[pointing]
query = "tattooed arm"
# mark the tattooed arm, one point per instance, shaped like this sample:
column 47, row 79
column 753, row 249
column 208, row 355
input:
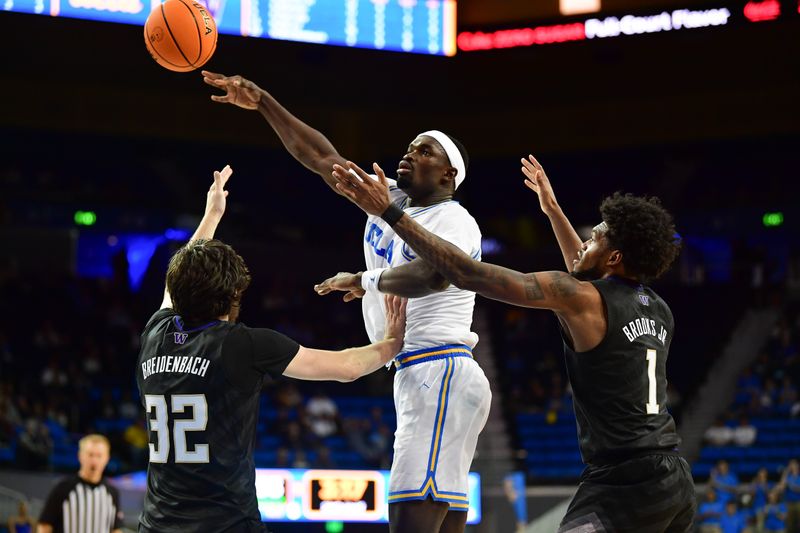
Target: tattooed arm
column 557, row 291
column 544, row 290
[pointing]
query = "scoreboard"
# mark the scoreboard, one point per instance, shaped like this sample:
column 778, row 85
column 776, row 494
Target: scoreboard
column 295, row 495
column 299, row 495
column 417, row 26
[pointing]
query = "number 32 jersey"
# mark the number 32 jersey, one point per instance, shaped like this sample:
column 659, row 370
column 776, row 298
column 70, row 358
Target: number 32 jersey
column 200, row 389
column 620, row 386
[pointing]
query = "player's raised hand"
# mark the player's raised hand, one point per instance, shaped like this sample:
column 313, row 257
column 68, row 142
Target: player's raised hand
column 395, row 319
column 217, row 195
column 359, row 187
column 537, row 181
column 239, row 91
column 343, row 281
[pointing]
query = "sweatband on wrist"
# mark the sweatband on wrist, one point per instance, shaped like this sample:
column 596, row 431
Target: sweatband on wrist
column 392, row 214
column 371, row 278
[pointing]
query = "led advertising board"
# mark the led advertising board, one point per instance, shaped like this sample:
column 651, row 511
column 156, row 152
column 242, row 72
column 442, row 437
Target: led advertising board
column 417, row 26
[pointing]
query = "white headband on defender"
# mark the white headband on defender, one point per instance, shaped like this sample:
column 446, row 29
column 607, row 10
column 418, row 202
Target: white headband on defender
column 452, row 152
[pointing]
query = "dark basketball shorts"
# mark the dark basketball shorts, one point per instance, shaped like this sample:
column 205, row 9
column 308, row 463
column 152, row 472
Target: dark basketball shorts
column 647, row 494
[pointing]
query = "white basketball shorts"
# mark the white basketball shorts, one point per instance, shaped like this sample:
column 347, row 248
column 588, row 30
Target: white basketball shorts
column 442, row 399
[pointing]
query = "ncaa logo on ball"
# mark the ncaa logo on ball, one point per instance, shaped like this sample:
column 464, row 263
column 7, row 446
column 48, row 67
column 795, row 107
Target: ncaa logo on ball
column 157, row 34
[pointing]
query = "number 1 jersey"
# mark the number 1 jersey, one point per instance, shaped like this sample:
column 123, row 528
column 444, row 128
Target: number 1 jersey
column 200, row 388
column 620, row 386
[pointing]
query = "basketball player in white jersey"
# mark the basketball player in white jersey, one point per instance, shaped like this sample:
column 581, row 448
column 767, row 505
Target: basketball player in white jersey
column 442, row 396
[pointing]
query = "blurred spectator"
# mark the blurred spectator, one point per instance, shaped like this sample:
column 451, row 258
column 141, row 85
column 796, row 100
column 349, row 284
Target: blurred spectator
column 732, row 520
column 324, row 459
column 91, row 359
column 769, row 395
column 371, row 438
column 296, row 438
column 107, row 408
column 322, row 415
column 787, row 396
column 35, row 445
column 724, row 482
column 749, row 382
column 537, row 395
column 300, row 460
column 745, row 433
column 46, row 337
column 9, row 420
column 718, row 434
column 355, row 430
column 22, row 522
column 709, row 513
column 380, row 441
column 55, row 412
column 65, row 503
column 53, row 375
column 281, row 425
column 759, row 489
column 288, row 396
column 775, row 513
column 135, row 436
column 282, row 458
column 790, row 482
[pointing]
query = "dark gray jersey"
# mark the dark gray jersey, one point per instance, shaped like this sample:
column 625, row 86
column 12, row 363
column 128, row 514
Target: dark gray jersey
column 620, row 387
column 200, row 390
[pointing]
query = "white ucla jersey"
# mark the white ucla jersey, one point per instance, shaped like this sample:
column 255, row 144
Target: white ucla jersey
column 442, row 317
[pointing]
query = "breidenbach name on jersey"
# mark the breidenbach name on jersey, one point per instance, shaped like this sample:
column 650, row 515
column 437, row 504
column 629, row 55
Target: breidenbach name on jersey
column 175, row 363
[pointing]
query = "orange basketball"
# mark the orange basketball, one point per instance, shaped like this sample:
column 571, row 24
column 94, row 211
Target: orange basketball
column 181, row 35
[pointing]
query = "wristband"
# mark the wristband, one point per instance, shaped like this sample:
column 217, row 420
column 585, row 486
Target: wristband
column 392, row 214
column 371, row 278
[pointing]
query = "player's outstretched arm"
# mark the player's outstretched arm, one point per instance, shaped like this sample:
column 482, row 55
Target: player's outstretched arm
column 310, row 147
column 536, row 180
column 557, row 291
column 411, row 280
column 352, row 363
column 216, row 200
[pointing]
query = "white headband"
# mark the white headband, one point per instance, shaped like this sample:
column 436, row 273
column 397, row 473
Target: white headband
column 452, row 152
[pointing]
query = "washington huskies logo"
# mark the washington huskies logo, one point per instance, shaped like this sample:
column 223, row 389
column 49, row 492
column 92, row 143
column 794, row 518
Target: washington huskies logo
column 180, row 337
column 645, row 299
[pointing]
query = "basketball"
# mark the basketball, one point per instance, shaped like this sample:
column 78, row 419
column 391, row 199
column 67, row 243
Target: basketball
column 181, row 35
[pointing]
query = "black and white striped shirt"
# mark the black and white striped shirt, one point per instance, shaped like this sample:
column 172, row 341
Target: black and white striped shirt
column 77, row 506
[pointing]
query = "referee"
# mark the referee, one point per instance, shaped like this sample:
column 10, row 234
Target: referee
column 84, row 503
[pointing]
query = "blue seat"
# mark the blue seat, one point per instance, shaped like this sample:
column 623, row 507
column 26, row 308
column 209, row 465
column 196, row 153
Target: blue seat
column 702, row 469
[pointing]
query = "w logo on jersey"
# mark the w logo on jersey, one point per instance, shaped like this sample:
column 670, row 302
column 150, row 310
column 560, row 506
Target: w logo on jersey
column 645, row 299
column 180, row 337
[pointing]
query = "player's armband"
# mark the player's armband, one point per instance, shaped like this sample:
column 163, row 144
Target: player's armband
column 371, row 278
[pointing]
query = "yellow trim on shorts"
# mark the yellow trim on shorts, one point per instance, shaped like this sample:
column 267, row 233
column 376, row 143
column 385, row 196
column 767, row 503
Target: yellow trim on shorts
column 430, row 486
column 440, row 416
column 403, row 361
